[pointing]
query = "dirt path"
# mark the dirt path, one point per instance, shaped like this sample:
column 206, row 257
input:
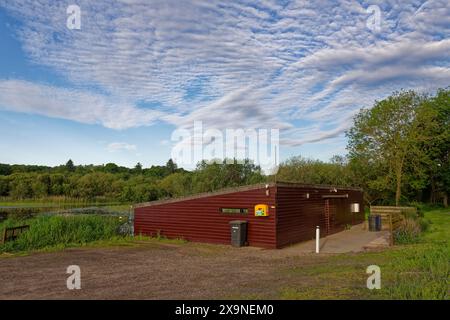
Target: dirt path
column 158, row 270
column 149, row 271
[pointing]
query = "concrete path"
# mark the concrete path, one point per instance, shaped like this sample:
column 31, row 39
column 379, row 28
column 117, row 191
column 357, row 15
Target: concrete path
column 355, row 239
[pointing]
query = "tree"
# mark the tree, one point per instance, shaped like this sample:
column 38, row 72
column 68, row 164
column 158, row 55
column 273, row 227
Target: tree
column 308, row 171
column 214, row 175
column 70, row 166
column 41, row 186
column 171, row 166
column 20, row 186
column 111, row 168
column 5, row 169
column 138, row 167
column 176, row 185
column 438, row 147
column 4, row 186
column 388, row 136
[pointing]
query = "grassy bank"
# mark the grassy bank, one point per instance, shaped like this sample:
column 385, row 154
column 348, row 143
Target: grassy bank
column 60, row 231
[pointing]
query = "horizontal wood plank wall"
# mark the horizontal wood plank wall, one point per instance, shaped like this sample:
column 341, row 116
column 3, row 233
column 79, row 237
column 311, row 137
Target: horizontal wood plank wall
column 200, row 219
column 298, row 216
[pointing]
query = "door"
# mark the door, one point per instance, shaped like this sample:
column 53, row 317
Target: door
column 335, row 215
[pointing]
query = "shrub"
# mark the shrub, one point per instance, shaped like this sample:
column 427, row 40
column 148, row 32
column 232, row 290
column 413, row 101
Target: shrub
column 410, row 214
column 48, row 231
column 424, row 224
column 408, row 232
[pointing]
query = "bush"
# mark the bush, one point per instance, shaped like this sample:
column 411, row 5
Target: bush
column 410, row 214
column 424, row 224
column 48, row 231
column 408, row 231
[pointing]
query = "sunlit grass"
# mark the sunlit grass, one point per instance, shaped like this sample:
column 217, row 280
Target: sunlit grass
column 417, row 271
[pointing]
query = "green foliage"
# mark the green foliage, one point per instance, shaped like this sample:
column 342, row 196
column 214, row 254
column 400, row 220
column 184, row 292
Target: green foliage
column 70, row 166
column 112, row 182
column 398, row 152
column 176, row 185
column 229, row 173
column 411, row 228
column 138, row 168
column 424, row 224
column 5, row 169
column 301, row 170
column 399, row 147
column 408, row 232
column 48, row 231
column 171, row 166
column 438, row 148
column 387, row 136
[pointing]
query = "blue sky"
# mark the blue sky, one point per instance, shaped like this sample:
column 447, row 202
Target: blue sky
column 115, row 90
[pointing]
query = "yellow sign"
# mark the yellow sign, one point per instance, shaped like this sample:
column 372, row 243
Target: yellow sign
column 261, row 210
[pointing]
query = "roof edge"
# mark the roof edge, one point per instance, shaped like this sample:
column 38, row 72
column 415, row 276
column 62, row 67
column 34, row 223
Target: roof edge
column 240, row 189
column 317, row 186
column 206, row 194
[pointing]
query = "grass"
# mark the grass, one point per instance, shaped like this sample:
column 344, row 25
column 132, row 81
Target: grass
column 418, row 271
column 63, row 231
column 118, row 207
column 55, row 233
column 439, row 230
column 116, row 241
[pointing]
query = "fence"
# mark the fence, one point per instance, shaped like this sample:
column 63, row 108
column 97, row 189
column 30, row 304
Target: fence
column 12, row 233
column 392, row 217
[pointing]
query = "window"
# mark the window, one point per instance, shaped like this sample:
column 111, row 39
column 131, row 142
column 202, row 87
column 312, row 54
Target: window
column 354, row 208
column 234, row 210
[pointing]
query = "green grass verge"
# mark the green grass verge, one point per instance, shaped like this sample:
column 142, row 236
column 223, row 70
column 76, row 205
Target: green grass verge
column 115, row 242
column 417, row 271
column 64, row 231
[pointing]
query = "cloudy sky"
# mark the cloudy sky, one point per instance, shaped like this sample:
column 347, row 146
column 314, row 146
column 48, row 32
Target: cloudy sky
column 136, row 70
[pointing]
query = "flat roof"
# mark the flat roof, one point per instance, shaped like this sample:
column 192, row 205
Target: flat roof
column 241, row 189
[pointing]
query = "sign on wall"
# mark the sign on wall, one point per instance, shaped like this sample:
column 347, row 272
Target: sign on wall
column 261, row 210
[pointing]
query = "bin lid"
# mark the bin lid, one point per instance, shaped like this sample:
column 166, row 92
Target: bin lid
column 238, row 222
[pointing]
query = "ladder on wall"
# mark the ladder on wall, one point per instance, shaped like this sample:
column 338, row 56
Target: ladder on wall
column 327, row 216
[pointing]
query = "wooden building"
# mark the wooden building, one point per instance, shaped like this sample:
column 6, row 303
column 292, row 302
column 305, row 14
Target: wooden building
column 277, row 214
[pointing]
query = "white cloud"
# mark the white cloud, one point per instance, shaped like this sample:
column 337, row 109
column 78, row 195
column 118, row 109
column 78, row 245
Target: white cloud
column 305, row 67
column 120, row 146
column 72, row 104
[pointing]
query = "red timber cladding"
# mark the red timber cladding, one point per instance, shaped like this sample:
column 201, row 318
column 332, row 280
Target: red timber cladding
column 298, row 216
column 199, row 219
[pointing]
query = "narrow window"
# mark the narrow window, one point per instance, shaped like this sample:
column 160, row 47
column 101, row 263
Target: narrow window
column 234, row 210
column 355, row 207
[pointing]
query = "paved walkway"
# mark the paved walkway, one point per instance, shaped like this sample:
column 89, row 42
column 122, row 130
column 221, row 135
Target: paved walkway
column 352, row 240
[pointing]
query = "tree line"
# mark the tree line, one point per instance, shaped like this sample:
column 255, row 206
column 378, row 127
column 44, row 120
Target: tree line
column 111, row 182
column 398, row 152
